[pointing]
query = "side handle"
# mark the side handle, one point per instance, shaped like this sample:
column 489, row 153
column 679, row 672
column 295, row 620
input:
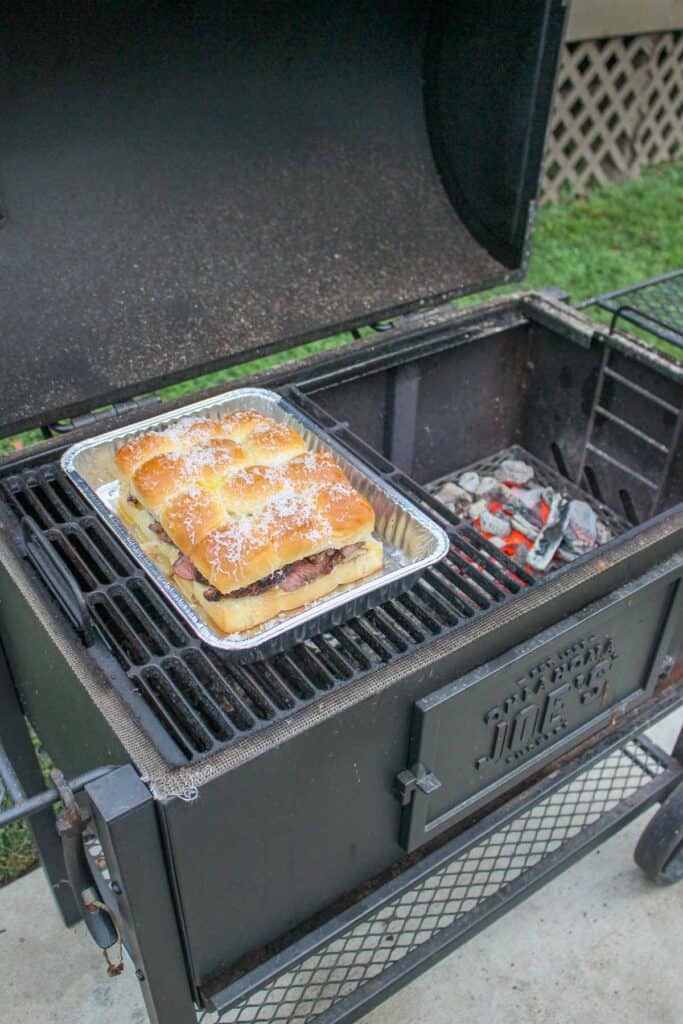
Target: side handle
column 71, row 826
column 58, row 579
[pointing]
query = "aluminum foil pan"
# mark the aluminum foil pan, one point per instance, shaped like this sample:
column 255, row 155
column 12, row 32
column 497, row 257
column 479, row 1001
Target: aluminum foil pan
column 411, row 540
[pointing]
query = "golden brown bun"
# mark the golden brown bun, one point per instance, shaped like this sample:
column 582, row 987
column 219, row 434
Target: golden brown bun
column 204, row 465
column 290, row 527
column 190, row 516
column 237, row 614
column 247, row 490
column 241, row 497
column 179, row 437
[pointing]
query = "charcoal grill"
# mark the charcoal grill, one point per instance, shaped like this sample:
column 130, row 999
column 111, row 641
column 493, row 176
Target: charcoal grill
column 294, row 838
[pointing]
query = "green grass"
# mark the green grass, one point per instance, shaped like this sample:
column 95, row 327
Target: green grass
column 615, row 237
column 17, row 855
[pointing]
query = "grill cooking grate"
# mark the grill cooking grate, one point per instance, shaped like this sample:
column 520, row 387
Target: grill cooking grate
column 203, row 703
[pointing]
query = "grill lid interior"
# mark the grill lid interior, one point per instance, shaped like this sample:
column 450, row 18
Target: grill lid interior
column 182, row 186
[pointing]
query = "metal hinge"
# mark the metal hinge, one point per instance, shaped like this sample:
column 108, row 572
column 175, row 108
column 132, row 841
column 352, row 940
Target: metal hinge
column 416, row 319
column 114, row 411
column 412, row 779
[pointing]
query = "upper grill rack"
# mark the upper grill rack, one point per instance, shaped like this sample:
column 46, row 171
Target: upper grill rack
column 189, row 700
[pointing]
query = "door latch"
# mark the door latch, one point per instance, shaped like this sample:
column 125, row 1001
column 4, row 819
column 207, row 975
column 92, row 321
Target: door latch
column 417, row 777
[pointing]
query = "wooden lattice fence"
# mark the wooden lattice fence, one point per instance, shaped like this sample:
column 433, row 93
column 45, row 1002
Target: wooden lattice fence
column 618, row 106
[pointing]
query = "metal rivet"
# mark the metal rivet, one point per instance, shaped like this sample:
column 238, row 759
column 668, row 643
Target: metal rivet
column 115, row 887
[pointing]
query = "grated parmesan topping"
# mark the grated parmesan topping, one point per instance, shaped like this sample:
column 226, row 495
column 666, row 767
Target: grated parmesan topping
column 298, row 503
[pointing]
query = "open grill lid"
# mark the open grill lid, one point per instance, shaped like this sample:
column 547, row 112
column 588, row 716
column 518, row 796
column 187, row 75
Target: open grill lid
column 184, row 186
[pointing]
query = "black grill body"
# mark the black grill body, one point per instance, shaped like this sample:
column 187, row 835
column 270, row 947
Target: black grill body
column 188, row 186
column 324, row 774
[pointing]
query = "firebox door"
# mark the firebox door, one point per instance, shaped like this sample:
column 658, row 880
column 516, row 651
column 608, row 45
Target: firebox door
column 503, row 721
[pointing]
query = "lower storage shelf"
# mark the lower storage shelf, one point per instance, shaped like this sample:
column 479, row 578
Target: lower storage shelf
column 352, row 962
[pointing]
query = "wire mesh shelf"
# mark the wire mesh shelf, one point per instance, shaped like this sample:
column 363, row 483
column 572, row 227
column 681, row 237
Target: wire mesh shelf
column 420, row 916
column 655, row 306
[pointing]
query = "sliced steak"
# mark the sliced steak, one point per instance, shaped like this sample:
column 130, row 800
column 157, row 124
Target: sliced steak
column 160, row 532
column 298, row 574
column 292, row 576
column 183, row 568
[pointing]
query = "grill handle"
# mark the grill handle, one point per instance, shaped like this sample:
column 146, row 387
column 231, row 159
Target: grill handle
column 58, row 579
column 71, row 825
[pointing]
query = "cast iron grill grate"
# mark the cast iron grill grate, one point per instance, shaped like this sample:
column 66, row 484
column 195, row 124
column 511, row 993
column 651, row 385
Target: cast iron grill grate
column 422, row 913
column 194, row 702
column 201, row 702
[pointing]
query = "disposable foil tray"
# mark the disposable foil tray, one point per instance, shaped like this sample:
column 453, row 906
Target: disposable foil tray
column 411, row 540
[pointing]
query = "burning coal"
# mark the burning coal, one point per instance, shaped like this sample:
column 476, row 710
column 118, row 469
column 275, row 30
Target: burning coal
column 535, row 525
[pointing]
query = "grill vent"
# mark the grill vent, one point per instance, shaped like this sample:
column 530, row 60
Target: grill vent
column 202, row 703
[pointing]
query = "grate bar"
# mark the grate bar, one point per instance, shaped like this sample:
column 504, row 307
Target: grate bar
column 454, row 574
column 397, row 637
column 223, row 689
column 146, row 680
column 263, row 705
column 480, row 568
column 334, row 657
column 606, row 414
column 370, row 638
column 430, row 595
column 222, row 716
column 352, row 647
column 439, row 582
column 410, row 628
column 198, row 699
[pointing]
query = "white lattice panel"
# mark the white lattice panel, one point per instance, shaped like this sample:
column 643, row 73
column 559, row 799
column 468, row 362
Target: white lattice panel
column 618, row 106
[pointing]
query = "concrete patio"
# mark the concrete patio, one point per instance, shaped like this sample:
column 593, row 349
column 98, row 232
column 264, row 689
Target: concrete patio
column 599, row 943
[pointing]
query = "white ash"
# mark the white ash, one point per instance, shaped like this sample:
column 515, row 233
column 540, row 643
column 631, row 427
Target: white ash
column 550, row 537
column 499, row 526
column 565, row 555
column 530, row 497
column 450, row 493
column 526, row 528
column 487, row 484
column 476, row 509
column 553, row 526
column 603, row 533
column 521, row 554
column 581, row 531
column 469, row 482
column 514, row 471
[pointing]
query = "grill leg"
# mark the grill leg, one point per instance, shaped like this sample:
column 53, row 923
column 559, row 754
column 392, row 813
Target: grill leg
column 17, row 743
column 127, row 826
column 678, row 748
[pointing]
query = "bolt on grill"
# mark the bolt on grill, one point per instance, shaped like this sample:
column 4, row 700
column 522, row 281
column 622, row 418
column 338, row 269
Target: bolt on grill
column 197, row 699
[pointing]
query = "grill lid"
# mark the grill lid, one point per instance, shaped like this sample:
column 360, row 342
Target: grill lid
column 185, row 186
